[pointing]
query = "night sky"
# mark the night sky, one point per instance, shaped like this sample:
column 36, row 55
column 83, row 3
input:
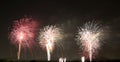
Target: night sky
column 69, row 15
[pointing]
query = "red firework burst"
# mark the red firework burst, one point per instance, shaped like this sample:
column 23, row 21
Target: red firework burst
column 23, row 31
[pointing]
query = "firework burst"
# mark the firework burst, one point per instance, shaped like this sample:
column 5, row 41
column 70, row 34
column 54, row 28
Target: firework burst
column 22, row 33
column 90, row 35
column 48, row 36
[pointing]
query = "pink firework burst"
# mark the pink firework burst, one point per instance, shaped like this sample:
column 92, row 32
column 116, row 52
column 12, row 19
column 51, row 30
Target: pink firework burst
column 23, row 32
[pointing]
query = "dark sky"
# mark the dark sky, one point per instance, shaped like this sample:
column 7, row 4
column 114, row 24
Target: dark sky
column 68, row 15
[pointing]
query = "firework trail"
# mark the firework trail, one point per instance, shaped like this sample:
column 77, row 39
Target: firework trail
column 62, row 59
column 83, row 59
column 48, row 36
column 90, row 35
column 22, row 33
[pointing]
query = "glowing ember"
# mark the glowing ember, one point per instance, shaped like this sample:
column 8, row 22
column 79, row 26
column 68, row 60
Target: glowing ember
column 21, row 36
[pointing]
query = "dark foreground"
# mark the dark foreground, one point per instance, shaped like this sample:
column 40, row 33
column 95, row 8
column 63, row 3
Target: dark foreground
column 58, row 61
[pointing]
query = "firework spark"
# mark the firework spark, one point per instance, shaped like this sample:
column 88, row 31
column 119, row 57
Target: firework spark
column 23, row 33
column 62, row 59
column 90, row 35
column 48, row 36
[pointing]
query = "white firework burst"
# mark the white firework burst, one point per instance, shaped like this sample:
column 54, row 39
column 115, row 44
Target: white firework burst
column 89, row 36
column 48, row 36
